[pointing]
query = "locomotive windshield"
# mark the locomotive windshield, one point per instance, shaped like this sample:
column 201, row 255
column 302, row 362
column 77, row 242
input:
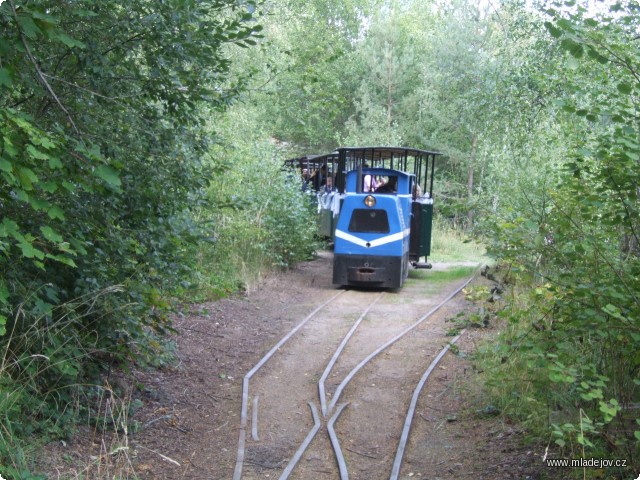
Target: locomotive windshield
column 366, row 220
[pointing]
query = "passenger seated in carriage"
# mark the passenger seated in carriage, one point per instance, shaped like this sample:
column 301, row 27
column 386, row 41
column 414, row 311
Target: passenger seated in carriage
column 391, row 186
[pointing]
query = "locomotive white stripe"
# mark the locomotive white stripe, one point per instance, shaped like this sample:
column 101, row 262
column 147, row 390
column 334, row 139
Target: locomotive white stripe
column 373, row 243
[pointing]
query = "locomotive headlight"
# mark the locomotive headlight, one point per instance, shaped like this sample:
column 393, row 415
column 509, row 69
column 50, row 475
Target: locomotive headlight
column 370, row 201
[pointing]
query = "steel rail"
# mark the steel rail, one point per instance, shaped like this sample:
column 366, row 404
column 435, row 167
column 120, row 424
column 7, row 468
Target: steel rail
column 309, row 438
column 344, row 475
column 358, row 367
column 254, row 419
column 322, row 395
column 395, row 471
column 237, row 474
column 338, row 352
column 335, row 443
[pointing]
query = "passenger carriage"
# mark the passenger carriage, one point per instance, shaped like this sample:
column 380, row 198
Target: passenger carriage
column 318, row 174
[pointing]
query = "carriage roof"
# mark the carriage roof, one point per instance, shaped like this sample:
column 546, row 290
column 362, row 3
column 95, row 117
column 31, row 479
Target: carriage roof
column 366, row 153
column 383, row 153
column 312, row 161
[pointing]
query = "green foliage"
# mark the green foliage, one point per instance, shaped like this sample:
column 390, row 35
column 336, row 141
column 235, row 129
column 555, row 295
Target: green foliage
column 561, row 209
column 371, row 125
column 262, row 220
column 388, row 75
column 103, row 141
column 273, row 227
column 304, row 77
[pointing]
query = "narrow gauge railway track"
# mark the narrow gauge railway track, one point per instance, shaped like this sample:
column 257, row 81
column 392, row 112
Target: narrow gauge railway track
column 332, row 397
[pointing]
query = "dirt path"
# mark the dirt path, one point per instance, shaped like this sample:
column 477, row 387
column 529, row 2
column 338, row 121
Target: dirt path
column 189, row 415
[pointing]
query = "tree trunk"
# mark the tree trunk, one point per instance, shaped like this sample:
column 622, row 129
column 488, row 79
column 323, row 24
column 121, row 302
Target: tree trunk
column 389, row 94
column 472, row 162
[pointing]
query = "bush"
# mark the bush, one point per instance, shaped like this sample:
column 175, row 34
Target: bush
column 262, row 221
column 103, row 108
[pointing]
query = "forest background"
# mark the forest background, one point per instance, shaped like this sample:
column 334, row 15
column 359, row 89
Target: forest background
column 141, row 150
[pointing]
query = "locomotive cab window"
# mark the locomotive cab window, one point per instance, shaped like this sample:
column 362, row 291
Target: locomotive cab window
column 388, row 185
column 367, row 220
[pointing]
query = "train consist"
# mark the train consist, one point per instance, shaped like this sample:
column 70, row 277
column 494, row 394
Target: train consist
column 376, row 204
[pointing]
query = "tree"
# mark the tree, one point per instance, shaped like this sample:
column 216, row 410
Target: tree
column 577, row 235
column 305, row 74
column 455, row 96
column 101, row 160
column 388, row 74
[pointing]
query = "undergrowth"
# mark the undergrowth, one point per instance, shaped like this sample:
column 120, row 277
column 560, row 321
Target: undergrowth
column 572, row 390
column 52, row 382
column 262, row 221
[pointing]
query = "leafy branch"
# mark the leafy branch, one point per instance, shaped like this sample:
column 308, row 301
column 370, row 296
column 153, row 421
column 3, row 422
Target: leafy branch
column 41, row 75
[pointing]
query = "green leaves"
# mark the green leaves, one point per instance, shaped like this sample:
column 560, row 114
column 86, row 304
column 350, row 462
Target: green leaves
column 559, row 373
column 105, row 114
column 36, row 154
column 67, row 40
column 574, row 48
column 566, row 213
column 28, row 250
column 6, row 79
column 51, row 235
column 109, row 175
column 27, row 177
column 609, row 409
column 55, row 212
column 625, row 88
column 27, row 25
column 553, row 30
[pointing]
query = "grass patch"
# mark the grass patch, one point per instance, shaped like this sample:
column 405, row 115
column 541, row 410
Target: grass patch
column 442, row 276
column 449, row 244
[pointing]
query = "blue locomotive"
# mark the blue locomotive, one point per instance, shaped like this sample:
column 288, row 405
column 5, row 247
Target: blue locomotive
column 378, row 211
